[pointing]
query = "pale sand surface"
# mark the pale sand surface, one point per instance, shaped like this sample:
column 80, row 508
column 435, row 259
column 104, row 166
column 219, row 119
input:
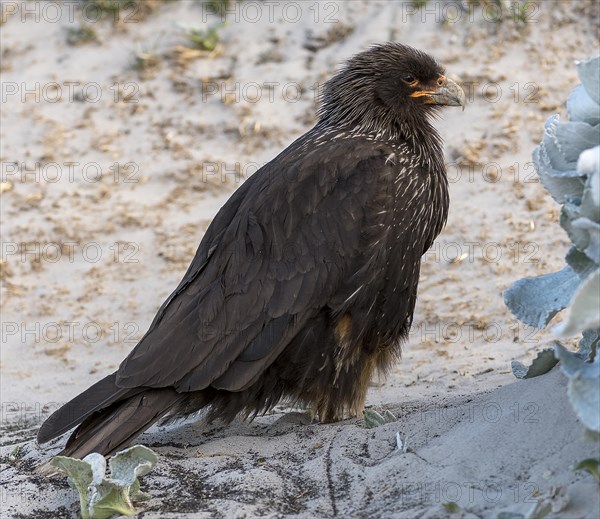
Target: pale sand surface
column 479, row 437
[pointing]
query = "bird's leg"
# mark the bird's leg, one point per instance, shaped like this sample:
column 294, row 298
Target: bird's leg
column 351, row 367
column 346, row 399
column 328, row 412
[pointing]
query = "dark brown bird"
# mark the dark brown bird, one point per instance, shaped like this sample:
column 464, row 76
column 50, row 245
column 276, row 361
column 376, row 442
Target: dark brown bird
column 305, row 282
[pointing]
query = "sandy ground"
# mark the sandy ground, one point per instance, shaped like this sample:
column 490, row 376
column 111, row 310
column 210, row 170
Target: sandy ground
column 117, row 152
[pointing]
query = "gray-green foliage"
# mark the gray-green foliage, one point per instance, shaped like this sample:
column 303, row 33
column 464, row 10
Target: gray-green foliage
column 205, row 39
column 543, row 362
column 103, row 496
column 451, row 507
column 374, row 419
column 568, row 164
column 584, row 386
column 590, row 465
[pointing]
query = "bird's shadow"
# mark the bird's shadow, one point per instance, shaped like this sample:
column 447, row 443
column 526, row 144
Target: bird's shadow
column 194, row 431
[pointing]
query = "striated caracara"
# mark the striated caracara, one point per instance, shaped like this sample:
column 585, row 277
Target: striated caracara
column 305, row 282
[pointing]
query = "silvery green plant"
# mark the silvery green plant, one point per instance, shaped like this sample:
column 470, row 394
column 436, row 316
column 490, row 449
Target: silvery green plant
column 100, row 495
column 374, row 419
column 568, row 164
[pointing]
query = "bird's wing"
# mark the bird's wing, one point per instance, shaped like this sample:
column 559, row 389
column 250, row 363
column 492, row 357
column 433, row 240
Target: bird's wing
column 273, row 257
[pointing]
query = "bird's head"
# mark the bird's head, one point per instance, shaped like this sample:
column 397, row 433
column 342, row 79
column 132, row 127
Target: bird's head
column 387, row 86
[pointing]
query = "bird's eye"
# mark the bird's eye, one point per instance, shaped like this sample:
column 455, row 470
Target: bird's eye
column 408, row 79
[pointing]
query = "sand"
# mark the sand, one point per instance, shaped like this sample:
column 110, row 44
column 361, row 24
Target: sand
column 117, row 153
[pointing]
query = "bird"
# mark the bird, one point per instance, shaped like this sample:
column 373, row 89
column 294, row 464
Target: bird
column 304, row 284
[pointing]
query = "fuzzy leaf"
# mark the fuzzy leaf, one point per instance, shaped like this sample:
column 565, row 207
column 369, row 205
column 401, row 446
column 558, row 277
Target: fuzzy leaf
column 570, row 212
column 584, row 311
column 543, row 362
column 78, row 471
column 580, row 263
column 581, row 107
column 79, row 476
column 584, row 393
column 129, row 464
column 102, row 497
column 113, row 495
column 563, row 143
column 588, row 345
column 584, row 386
column 388, row 416
column 451, row 507
column 556, row 157
column 592, row 232
column 134, row 489
column 591, row 466
column 583, row 232
column 111, row 499
column 573, row 138
column 135, row 494
column 372, row 418
column 589, row 72
column 97, row 462
column 535, row 301
column 569, row 361
column 562, row 185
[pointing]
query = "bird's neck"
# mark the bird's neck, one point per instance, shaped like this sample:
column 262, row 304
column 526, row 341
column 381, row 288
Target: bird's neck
column 425, row 142
column 420, row 135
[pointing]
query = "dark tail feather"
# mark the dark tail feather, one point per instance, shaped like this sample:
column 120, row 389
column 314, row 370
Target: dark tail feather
column 100, row 395
column 114, row 428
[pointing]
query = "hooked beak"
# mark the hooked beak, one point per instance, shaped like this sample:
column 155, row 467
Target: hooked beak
column 448, row 93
